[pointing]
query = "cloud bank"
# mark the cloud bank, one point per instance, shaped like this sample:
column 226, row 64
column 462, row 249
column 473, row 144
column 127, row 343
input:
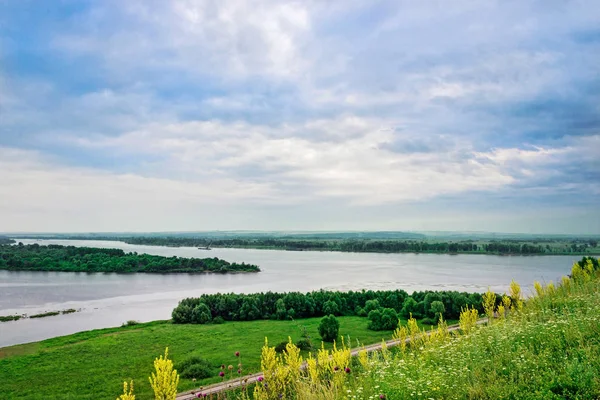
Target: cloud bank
column 197, row 115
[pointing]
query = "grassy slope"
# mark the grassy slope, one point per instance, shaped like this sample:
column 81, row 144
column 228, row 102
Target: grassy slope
column 551, row 351
column 93, row 365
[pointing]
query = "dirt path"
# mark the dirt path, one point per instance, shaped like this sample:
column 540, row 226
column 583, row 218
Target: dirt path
column 250, row 379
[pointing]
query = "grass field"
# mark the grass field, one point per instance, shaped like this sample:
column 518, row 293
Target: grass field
column 93, row 365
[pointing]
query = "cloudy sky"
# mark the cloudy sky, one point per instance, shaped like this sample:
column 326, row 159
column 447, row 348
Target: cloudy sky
column 310, row 115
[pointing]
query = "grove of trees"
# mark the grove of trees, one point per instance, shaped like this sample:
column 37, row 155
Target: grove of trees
column 34, row 257
column 380, row 306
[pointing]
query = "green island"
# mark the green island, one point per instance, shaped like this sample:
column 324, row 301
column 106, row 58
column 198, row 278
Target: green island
column 34, row 257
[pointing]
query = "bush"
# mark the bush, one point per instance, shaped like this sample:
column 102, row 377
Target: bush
column 383, row 320
column 218, row 320
column 182, row 314
column 371, row 305
column 131, row 323
column 429, row 321
column 201, row 314
column 280, row 347
column 194, row 367
column 329, row 328
column 408, row 307
column 360, row 312
column 304, row 344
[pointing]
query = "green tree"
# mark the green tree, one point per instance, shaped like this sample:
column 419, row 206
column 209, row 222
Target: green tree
column 437, row 309
column 409, row 306
column 331, row 307
column 329, row 328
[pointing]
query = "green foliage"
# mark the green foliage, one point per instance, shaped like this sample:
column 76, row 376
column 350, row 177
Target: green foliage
column 371, row 305
column 34, row 257
column 409, row 307
column 331, row 307
column 195, row 368
column 280, row 347
column 7, row 318
column 282, row 306
column 46, row 314
column 201, row 314
column 304, row 344
column 384, row 319
column 437, row 308
column 329, row 328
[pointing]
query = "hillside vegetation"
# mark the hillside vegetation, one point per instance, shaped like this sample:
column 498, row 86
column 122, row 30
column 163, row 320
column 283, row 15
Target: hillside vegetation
column 545, row 348
column 34, row 257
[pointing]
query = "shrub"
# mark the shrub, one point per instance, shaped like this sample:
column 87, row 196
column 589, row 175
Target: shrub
column 131, row 322
column 182, row 314
column 329, row 328
column 218, row 320
column 360, row 312
column 385, row 319
column 280, row 347
column 197, row 371
column 408, row 307
column 194, row 367
column 304, row 344
column 371, row 305
column 201, row 314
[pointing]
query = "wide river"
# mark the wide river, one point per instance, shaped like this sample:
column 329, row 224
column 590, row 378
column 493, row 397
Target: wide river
column 107, row 300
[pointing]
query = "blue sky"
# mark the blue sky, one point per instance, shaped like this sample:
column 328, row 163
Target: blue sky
column 304, row 115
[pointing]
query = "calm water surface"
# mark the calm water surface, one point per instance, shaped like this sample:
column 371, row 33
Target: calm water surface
column 107, row 300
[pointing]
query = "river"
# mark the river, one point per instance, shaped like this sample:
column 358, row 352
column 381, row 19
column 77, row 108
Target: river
column 107, row 299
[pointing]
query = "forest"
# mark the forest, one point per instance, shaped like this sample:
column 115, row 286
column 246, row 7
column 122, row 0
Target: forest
column 34, row 257
column 506, row 246
column 217, row 308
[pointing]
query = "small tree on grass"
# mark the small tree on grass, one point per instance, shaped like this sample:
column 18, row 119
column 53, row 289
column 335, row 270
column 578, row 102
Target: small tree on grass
column 329, row 328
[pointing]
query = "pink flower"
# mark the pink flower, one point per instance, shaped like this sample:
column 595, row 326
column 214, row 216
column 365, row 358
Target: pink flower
column 260, row 379
column 221, row 374
column 237, row 353
column 347, row 370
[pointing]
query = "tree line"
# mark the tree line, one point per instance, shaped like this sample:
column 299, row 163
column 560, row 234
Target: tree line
column 272, row 305
column 34, row 257
column 367, row 245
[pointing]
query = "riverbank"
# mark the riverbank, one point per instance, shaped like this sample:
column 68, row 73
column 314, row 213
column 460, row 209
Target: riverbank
column 92, row 365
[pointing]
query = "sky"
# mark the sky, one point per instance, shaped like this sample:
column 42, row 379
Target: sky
column 192, row 115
